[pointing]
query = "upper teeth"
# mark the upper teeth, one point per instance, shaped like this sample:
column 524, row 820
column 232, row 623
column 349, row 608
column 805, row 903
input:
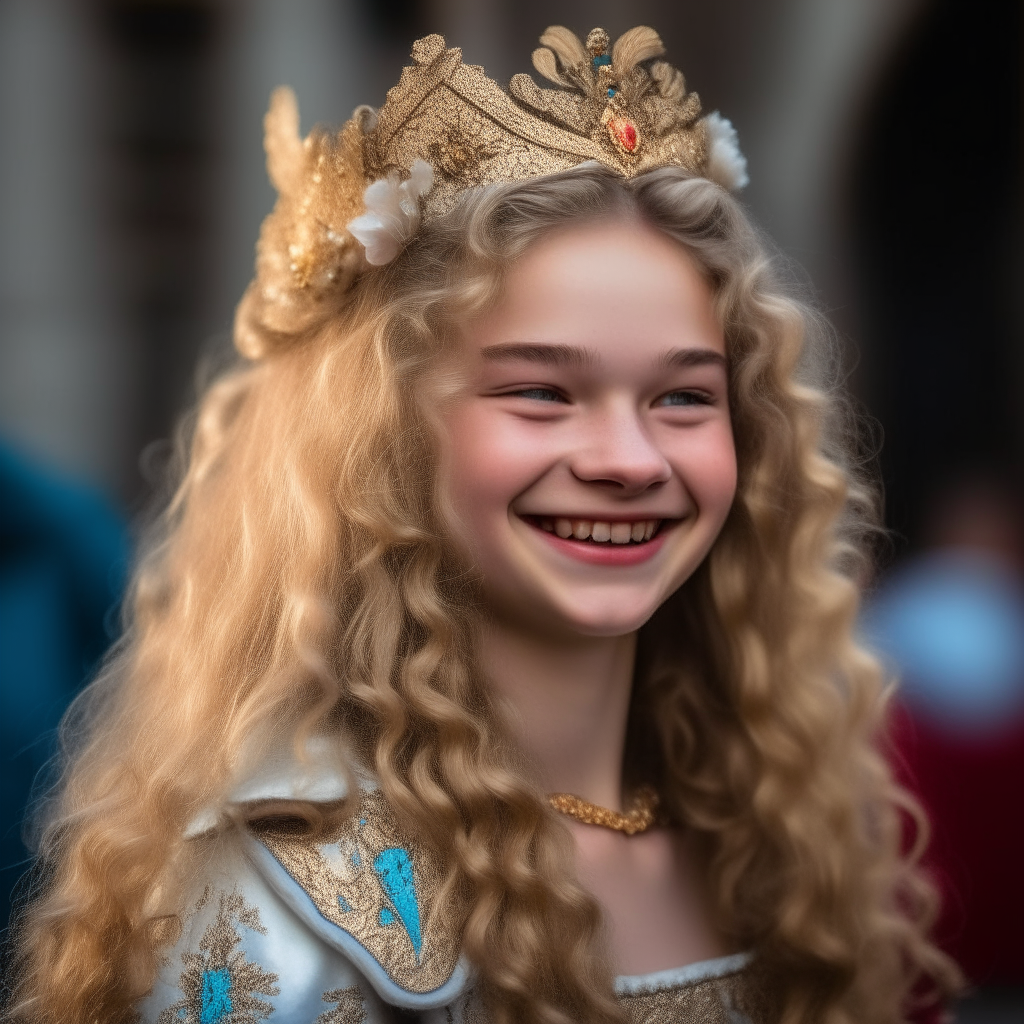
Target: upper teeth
column 600, row 531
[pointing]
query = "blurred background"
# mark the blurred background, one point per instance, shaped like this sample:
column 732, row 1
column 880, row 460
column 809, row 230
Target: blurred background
column 884, row 145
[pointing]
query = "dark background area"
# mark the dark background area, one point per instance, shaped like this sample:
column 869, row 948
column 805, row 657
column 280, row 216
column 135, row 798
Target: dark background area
column 935, row 225
column 884, row 146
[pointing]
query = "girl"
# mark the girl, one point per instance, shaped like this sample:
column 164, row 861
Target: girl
column 495, row 659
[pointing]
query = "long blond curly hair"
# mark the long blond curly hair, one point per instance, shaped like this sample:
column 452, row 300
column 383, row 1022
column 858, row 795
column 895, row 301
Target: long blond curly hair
column 302, row 580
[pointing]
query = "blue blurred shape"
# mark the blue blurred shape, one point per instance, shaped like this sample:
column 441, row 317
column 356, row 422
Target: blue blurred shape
column 63, row 560
column 951, row 624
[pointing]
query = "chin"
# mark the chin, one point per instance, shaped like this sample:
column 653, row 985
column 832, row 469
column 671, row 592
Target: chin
column 605, row 621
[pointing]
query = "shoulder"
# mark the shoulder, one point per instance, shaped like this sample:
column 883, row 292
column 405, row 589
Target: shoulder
column 332, row 930
column 368, row 892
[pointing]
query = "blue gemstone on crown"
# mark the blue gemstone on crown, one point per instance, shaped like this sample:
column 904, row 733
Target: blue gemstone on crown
column 602, row 60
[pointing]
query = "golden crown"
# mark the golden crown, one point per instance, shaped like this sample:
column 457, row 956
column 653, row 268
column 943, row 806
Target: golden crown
column 355, row 197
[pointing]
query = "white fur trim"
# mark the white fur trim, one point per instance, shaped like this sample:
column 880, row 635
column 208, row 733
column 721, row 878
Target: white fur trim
column 677, row 977
column 726, row 164
column 392, row 213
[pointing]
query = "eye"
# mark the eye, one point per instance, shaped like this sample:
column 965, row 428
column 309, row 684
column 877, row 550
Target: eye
column 678, row 398
column 539, row 394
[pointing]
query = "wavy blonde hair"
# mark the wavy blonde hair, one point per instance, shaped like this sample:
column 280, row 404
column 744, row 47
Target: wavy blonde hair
column 302, row 580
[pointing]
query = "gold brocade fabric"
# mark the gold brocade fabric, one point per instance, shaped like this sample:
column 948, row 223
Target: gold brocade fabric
column 370, row 881
column 349, row 1007
column 741, row 997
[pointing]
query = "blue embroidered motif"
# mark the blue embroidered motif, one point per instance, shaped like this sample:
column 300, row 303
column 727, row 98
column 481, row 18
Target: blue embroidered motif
column 346, row 907
column 394, row 869
column 356, row 859
column 602, row 60
column 215, row 999
column 219, row 983
column 386, row 917
column 611, row 93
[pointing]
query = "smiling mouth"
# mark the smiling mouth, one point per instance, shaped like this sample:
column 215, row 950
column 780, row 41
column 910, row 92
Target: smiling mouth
column 598, row 531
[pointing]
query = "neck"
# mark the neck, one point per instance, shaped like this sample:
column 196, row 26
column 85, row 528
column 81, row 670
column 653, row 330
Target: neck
column 568, row 704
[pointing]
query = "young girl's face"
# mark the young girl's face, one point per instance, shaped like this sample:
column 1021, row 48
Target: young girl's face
column 589, row 456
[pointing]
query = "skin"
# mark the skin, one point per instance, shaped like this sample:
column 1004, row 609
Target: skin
column 595, row 391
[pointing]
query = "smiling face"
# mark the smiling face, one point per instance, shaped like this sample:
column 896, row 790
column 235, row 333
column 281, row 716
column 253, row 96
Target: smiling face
column 589, row 455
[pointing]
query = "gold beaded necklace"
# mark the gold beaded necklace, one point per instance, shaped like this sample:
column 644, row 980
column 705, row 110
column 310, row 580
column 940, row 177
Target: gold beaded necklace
column 639, row 819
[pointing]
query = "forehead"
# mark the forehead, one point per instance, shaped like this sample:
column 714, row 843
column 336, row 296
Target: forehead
column 622, row 289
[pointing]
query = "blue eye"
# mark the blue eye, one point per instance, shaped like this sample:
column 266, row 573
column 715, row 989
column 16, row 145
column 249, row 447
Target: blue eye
column 678, row 398
column 540, row 395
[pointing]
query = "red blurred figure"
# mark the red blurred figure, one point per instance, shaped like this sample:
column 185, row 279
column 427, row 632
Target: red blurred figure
column 952, row 622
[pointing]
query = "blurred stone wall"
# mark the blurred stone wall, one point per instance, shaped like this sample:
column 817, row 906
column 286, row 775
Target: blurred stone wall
column 67, row 371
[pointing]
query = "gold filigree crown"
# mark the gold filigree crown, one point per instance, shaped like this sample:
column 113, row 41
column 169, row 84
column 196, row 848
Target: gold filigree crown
column 354, row 197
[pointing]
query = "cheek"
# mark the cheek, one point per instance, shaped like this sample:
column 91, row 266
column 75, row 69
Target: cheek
column 708, row 468
column 487, row 464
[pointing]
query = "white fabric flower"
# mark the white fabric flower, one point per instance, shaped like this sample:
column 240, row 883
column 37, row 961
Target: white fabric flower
column 392, row 213
column 726, row 164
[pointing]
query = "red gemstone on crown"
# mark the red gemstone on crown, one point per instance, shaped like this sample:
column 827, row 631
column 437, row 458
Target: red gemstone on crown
column 624, row 133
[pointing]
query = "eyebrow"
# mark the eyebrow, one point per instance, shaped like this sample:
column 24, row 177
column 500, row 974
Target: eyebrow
column 581, row 358
column 549, row 355
column 681, row 358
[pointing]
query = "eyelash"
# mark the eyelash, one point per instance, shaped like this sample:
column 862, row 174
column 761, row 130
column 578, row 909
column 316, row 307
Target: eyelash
column 550, row 395
column 693, row 398
column 539, row 394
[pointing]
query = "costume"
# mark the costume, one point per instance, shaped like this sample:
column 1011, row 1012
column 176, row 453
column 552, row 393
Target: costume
column 351, row 925
column 346, row 927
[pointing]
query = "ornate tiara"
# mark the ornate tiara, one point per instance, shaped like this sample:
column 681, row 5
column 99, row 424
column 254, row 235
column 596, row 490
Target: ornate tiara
column 355, row 197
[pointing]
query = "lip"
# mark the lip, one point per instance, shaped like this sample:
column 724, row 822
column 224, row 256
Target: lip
column 606, row 554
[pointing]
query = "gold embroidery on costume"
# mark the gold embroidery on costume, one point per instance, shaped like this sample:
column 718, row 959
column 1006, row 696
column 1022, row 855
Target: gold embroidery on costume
column 741, row 997
column 350, row 1007
column 219, row 984
column 367, row 879
column 470, row 1011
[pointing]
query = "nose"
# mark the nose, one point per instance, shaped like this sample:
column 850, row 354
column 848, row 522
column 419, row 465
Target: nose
column 616, row 449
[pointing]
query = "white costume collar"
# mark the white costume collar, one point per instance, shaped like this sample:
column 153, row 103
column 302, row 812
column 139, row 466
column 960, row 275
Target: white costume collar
column 283, row 776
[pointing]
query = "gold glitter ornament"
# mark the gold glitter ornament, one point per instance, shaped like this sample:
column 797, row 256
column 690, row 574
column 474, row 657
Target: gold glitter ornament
column 306, row 258
column 597, row 42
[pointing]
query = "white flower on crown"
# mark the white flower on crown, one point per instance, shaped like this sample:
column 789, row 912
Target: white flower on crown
column 726, row 164
column 392, row 213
